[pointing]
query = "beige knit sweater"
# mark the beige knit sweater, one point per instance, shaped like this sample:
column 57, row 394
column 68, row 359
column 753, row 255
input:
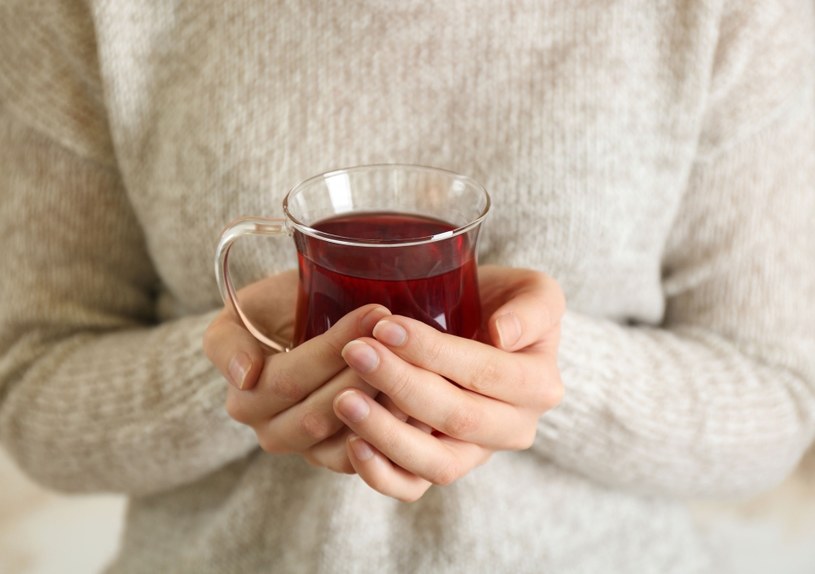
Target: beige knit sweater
column 656, row 157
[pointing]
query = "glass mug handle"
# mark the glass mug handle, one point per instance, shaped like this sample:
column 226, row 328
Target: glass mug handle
column 257, row 226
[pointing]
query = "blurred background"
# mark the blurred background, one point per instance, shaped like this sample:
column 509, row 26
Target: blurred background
column 45, row 533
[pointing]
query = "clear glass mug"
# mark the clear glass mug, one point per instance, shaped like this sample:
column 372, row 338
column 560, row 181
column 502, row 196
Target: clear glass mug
column 403, row 236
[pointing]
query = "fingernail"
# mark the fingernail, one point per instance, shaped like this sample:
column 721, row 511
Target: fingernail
column 238, row 368
column 390, row 333
column 361, row 449
column 352, row 406
column 509, row 329
column 360, row 356
column 371, row 317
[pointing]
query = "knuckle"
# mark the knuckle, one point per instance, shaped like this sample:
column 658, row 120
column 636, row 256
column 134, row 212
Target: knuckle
column 447, row 473
column 389, row 439
column 484, row 377
column 283, row 384
column 461, row 422
column 434, row 348
column 400, row 386
column 316, row 426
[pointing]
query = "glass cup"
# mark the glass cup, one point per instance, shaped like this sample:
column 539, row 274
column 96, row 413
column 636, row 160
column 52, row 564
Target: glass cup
column 403, row 236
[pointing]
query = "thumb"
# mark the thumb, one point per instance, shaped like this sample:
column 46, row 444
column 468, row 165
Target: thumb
column 530, row 313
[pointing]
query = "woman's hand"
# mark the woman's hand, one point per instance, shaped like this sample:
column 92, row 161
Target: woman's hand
column 287, row 397
column 460, row 400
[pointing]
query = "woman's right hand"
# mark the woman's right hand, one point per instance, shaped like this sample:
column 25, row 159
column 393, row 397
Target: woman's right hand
column 287, row 398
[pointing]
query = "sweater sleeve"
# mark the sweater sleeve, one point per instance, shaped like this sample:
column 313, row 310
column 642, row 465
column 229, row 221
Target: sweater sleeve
column 95, row 393
column 718, row 400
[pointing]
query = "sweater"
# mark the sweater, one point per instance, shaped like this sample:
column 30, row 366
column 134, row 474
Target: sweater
column 657, row 158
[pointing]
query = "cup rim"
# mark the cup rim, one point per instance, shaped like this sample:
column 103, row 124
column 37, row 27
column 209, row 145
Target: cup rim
column 342, row 240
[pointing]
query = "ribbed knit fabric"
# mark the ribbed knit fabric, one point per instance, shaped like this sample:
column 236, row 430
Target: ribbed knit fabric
column 657, row 158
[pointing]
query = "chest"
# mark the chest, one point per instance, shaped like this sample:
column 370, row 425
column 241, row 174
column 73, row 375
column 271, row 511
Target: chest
column 580, row 122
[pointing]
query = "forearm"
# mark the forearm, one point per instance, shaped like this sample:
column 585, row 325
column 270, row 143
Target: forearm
column 682, row 412
column 136, row 411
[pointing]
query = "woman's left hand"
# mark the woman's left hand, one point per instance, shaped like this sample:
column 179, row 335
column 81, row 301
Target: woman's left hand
column 451, row 402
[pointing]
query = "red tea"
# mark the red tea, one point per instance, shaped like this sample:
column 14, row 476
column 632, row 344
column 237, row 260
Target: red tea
column 434, row 282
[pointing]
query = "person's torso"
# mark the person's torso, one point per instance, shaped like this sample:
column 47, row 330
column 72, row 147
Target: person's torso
column 580, row 120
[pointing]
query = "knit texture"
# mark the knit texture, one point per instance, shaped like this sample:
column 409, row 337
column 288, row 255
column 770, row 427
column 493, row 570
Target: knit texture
column 656, row 157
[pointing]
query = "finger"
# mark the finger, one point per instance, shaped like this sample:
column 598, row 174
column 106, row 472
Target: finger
column 312, row 420
column 529, row 377
column 419, row 453
column 318, row 359
column 438, row 403
column 381, row 474
column 331, row 453
column 287, row 378
column 234, row 351
column 531, row 308
column 393, row 409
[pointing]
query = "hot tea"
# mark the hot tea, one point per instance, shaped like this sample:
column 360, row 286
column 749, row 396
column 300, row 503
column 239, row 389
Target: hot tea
column 433, row 281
